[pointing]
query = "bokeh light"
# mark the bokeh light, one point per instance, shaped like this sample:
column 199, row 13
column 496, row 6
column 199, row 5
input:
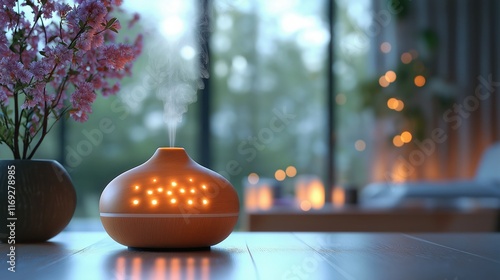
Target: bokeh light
column 280, row 175
column 419, row 81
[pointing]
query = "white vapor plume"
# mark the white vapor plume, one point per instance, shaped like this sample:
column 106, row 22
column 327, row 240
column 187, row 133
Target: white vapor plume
column 176, row 98
column 176, row 64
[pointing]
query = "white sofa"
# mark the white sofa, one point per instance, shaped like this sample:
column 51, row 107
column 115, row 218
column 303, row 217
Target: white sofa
column 483, row 188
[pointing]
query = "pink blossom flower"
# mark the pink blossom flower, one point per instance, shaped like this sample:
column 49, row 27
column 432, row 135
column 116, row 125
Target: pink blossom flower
column 54, row 58
column 118, row 55
column 82, row 100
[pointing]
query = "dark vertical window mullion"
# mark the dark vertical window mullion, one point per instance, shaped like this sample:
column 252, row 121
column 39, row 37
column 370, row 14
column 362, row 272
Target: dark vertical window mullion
column 204, row 143
column 330, row 164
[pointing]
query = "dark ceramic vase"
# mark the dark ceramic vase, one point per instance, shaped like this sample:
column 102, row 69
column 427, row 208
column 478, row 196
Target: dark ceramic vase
column 44, row 197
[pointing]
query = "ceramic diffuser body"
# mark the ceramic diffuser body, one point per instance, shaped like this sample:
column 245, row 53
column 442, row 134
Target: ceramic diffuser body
column 169, row 202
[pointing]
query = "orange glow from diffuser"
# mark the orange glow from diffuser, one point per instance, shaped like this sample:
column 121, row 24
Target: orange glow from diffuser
column 120, row 268
column 160, row 268
column 136, row 268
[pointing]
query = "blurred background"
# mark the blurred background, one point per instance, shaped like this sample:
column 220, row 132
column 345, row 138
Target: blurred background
column 308, row 104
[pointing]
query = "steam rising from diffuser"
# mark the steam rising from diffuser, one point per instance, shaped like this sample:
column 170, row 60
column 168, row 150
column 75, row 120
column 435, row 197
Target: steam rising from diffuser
column 175, row 98
column 182, row 81
column 175, row 66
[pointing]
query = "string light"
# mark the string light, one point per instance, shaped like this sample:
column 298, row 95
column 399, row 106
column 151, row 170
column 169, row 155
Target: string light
column 406, row 137
column 383, row 82
column 360, row 145
column 280, row 175
column 385, row 47
column 400, row 106
column 291, row 171
column 397, row 141
column 419, row 81
column 406, row 58
column 253, row 178
column 392, row 103
column 390, row 76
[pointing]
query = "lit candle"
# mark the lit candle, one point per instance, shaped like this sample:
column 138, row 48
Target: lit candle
column 309, row 193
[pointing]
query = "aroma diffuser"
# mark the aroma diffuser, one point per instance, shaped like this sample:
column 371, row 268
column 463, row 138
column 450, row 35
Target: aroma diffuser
column 170, row 201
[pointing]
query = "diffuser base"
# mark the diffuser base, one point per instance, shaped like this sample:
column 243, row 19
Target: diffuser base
column 196, row 231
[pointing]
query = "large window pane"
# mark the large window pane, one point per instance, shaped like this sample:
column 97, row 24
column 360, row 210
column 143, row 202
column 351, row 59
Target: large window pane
column 125, row 130
column 269, row 82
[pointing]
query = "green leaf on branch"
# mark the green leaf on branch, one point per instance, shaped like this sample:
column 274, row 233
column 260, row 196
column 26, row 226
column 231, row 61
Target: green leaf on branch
column 72, row 45
column 110, row 22
column 52, row 38
column 73, row 72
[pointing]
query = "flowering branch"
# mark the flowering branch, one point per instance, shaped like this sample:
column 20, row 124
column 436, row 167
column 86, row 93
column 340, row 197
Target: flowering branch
column 54, row 65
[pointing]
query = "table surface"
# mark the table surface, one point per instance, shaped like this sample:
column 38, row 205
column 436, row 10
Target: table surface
column 359, row 219
column 94, row 255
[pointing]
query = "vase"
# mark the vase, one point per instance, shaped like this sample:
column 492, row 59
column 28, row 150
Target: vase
column 37, row 200
column 170, row 201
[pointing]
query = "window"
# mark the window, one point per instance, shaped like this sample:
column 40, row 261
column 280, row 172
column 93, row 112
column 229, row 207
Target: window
column 267, row 97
